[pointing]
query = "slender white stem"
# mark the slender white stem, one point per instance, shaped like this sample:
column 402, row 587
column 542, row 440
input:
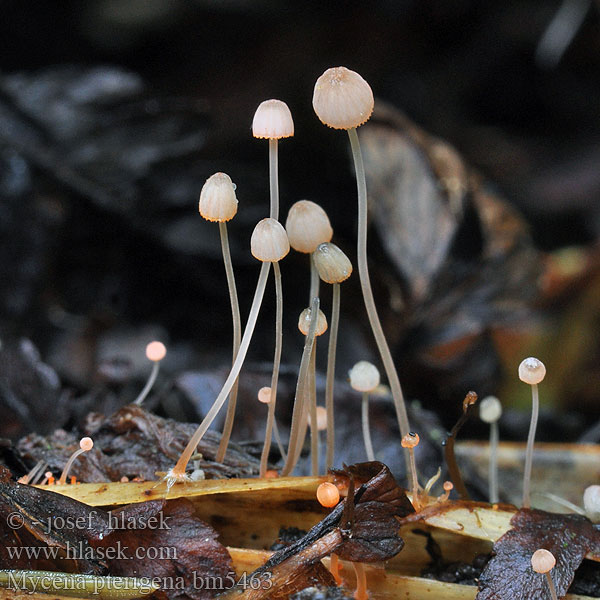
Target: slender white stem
column 63, row 476
column 298, row 426
column 331, row 353
column 315, row 280
column 153, row 374
column 178, row 470
column 493, row 464
column 365, row 284
column 416, row 501
column 535, row 409
column 276, row 362
column 365, row 427
column 314, row 428
column 551, row 586
column 237, row 335
column 278, row 440
column 273, row 180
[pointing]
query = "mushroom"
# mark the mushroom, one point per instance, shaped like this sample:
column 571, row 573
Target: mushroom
column 591, row 503
column 490, row 411
column 155, row 352
column 342, row 99
column 304, row 323
column 85, row 445
column 307, row 226
column 273, row 121
column 333, row 267
column 219, row 203
column 269, row 244
column 410, row 441
column 543, row 561
column 364, row 377
column 303, row 394
column 531, row 371
column 264, row 396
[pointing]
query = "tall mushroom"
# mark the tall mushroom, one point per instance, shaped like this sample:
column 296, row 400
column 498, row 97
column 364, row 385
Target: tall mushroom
column 333, row 267
column 342, row 99
column 269, row 244
column 218, row 203
column 273, row 121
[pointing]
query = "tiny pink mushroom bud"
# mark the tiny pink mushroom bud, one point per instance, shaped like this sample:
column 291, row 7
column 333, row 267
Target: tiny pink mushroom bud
column 85, row 445
column 264, row 395
column 155, row 351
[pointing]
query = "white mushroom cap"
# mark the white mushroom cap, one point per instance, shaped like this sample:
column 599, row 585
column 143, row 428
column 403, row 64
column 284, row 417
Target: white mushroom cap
column 217, row 198
column 307, row 226
column 86, row 444
column 591, row 503
column 364, row 376
column 155, row 351
column 272, row 120
column 321, row 418
column 332, row 264
column 490, row 409
column 532, row 371
column 542, row 561
column 304, row 322
column 342, row 98
column 269, row 242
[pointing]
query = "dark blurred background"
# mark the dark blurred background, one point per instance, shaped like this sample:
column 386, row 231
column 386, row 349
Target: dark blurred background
column 113, row 113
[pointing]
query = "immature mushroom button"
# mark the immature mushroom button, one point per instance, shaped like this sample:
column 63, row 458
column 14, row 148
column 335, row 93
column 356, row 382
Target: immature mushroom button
column 328, row 495
column 332, row 264
column 364, row 376
column 304, row 322
column 591, row 503
column 342, row 99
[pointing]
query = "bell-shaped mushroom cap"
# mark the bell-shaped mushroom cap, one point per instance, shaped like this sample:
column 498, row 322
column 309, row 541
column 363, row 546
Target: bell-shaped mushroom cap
column 269, row 242
column 490, row 409
column 272, row 120
column 591, row 503
column 332, row 264
column 307, row 226
column 304, row 322
column 532, row 371
column 364, row 376
column 542, row 561
column 342, row 98
column 217, row 198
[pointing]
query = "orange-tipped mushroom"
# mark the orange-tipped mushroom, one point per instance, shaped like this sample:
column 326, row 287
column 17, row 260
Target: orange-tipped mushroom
column 155, row 352
column 410, row 441
column 85, row 445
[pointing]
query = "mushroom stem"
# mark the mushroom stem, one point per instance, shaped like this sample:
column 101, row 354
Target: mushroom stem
column 535, row 409
column 361, row 582
column 314, row 430
column 416, row 500
column 273, row 179
column 237, row 334
column 314, row 280
column 493, row 464
column 276, row 362
column 365, row 284
column 178, row 471
column 85, row 444
column 551, row 586
column 153, row 374
column 365, row 427
column 335, row 567
column 298, row 426
column 331, row 354
column 278, row 440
